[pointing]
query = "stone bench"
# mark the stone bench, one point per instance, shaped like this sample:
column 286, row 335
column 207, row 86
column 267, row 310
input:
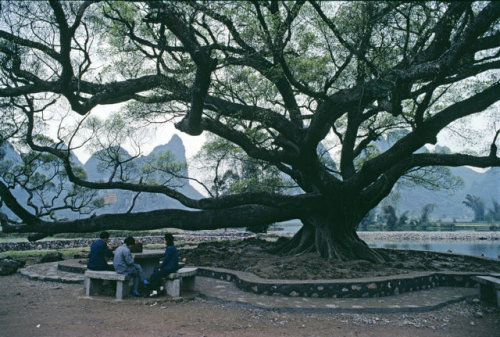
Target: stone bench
column 94, row 278
column 489, row 289
column 183, row 279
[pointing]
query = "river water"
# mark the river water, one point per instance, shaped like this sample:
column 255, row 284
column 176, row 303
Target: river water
column 481, row 247
column 489, row 249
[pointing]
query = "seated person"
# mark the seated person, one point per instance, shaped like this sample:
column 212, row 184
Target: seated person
column 99, row 251
column 124, row 264
column 170, row 263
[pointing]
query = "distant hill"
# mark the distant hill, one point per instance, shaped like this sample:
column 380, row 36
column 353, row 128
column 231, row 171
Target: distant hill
column 449, row 204
column 8, row 159
column 118, row 201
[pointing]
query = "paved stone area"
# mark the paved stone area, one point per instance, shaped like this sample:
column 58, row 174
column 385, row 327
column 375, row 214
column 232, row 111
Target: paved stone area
column 227, row 292
column 50, row 272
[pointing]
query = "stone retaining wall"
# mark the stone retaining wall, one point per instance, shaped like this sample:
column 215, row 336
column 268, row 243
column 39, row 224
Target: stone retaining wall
column 70, row 243
column 376, row 287
column 145, row 240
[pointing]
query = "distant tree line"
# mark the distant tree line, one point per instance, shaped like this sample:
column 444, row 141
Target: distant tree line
column 389, row 220
column 477, row 205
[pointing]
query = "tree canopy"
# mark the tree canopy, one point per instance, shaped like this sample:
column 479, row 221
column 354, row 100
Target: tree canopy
column 279, row 81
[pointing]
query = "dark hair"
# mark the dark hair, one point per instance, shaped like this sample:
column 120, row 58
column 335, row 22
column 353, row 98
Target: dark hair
column 170, row 239
column 129, row 241
column 104, row 235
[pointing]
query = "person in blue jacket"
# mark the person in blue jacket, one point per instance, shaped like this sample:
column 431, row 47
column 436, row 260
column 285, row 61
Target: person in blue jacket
column 99, row 251
column 170, row 264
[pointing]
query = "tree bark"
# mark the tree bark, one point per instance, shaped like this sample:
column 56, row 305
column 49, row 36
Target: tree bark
column 331, row 239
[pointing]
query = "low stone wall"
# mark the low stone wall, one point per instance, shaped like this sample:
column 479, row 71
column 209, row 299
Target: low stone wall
column 145, row 240
column 63, row 243
column 375, row 287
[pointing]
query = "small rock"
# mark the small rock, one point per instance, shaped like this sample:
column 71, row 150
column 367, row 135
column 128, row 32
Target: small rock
column 472, row 323
column 478, row 314
column 9, row 266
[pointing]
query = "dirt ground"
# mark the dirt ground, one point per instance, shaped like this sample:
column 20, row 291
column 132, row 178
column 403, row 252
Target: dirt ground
column 251, row 255
column 36, row 308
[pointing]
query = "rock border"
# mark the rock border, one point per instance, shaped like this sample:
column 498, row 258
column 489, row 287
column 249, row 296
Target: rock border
column 188, row 238
column 354, row 288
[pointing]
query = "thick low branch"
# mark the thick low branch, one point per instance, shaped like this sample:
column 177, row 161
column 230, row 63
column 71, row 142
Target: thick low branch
column 438, row 159
column 241, row 216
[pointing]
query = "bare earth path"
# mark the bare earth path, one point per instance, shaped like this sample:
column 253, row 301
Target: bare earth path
column 35, row 308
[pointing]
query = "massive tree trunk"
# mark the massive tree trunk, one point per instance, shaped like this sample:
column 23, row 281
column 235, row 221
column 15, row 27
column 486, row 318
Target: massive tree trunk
column 331, row 239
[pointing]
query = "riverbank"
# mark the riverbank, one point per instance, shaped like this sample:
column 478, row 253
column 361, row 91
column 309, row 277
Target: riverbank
column 429, row 236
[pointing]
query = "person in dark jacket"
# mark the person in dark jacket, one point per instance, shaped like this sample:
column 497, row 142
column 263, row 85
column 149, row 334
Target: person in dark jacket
column 99, row 251
column 169, row 264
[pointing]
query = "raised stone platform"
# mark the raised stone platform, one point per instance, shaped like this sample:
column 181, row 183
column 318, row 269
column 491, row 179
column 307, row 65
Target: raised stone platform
column 417, row 301
column 71, row 271
column 352, row 288
column 73, row 266
column 50, row 272
column 227, row 292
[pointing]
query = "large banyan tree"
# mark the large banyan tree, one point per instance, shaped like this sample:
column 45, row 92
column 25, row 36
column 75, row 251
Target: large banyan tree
column 284, row 82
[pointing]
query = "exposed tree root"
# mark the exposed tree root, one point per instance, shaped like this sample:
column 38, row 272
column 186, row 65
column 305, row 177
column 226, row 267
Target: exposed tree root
column 341, row 245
